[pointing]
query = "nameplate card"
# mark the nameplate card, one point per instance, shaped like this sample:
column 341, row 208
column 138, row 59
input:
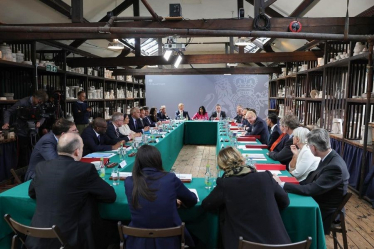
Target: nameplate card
column 157, row 140
column 163, row 136
column 123, row 164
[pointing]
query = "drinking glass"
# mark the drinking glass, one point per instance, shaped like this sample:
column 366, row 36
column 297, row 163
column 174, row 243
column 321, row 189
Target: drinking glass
column 115, row 176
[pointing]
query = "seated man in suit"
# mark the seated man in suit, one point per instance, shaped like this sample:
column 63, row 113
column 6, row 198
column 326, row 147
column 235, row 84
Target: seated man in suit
column 113, row 128
column 218, row 114
column 281, row 140
column 161, row 115
column 239, row 116
column 67, row 192
column 328, row 183
column 146, row 121
column 46, row 148
column 95, row 138
column 258, row 126
column 291, row 122
column 274, row 131
column 135, row 123
column 181, row 113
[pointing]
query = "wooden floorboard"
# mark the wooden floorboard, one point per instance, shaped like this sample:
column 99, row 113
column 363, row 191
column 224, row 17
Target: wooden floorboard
column 359, row 214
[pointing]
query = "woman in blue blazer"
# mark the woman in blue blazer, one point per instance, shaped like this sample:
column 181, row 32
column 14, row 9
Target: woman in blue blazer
column 152, row 194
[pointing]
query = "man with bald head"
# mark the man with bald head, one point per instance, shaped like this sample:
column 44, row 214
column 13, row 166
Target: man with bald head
column 67, row 192
column 259, row 127
column 95, row 139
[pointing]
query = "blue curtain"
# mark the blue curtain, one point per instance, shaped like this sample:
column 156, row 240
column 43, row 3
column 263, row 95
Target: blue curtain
column 353, row 157
column 336, row 145
column 273, row 104
column 8, row 159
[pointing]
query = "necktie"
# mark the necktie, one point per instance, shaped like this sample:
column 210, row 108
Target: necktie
column 277, row 141
column 98, row 138
column 117, row 132
column 135, row 124
column 141, row 121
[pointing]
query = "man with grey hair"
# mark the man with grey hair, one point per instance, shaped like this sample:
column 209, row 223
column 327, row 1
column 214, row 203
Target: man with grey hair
column 161, row 115
column 113, row 128
column 291, row 122
column 328, row 183
column 258, row 127
column 67, row 193
column 135, row 123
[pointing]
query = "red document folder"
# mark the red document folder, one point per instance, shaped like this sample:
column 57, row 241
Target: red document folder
column 256, row 146
column 268, row 166
column 255, row 136
column 89, row 160
column 289, row 179
column 246, row 139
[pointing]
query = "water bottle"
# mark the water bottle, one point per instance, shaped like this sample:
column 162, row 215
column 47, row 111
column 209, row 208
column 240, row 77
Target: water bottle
column 251, row 163
column 222, row 146
column 208, row 178
column 120, row 152
column 102, row 168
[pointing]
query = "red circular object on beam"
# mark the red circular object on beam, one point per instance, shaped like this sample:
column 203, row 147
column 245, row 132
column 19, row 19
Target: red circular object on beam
column 295, row 26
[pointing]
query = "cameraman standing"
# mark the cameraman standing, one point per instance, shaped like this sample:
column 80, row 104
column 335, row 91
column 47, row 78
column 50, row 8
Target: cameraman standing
column 29, row 119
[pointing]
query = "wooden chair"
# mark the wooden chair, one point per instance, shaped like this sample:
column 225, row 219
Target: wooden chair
column 340, row 228
column 243, row 244
column 150, row 233
column 46, row 233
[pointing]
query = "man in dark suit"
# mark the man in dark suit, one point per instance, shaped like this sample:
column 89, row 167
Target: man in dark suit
column 81, row 112
column 274, row 130
column 218, row 114
column 291, row 122
column 258, row 126
column 95, row 138
column 239, row 116
column 146, row 121
column 113, row 128
column 66, row 193
column 161, row 115
column 181, row 113
column 135, row 123
column 46, row 148
column 328, row 183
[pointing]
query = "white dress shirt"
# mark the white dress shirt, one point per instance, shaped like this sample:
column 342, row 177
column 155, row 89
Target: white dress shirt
column 125, row 130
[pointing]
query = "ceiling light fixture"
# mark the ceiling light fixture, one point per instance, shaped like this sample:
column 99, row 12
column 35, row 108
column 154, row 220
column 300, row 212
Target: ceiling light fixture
column 241, row 41
column 116, row 45
column 232, row 64
column 167, row 54
column 178, row 61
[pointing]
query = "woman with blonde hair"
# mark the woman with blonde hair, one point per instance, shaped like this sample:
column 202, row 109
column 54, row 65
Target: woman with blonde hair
column 249, row 203
column 303, row 161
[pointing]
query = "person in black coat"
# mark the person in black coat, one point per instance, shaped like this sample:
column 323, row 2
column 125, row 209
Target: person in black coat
column 274, row 130
column 146, row 119
column 249, row 203
column 181, row 113
column 81, row 112
column 258, row 127
column 67, row 192
column 218, row 114
column 113, row 128
column 95, row 138
column 135, row 123
column 328, row 183
column 154, row 196
column 290, row 122
column 238, row 118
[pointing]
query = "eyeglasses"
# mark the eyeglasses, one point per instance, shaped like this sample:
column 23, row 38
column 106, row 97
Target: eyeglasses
column 104, row 127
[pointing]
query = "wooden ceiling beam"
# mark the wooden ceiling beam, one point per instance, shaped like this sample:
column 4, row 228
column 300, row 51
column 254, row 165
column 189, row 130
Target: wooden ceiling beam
column 367, row 13
column 195, row 59
column 61, row 7
column 269, row 11
column 183, row 71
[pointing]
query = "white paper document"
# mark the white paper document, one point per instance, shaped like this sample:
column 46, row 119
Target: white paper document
column 195, row 192
column 242, row 147
column 274, row 172
column 100, row 155
column 184, row 176
column 255, row 156
column 122, row 174
column 247, row 142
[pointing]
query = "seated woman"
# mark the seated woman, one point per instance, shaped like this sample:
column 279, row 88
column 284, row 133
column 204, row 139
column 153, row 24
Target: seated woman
column 153, row 114
column 201, row 114
column 303, row 161
column 249, row 203
column 153, row 195
column 125, row 129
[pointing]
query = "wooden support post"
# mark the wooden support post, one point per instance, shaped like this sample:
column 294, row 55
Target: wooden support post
column 77, row 11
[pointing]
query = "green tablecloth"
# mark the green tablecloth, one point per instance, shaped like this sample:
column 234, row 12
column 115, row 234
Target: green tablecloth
column 200, row 132
column 302, row 218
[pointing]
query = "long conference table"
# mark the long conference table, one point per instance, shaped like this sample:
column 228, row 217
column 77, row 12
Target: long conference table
column 302, row 218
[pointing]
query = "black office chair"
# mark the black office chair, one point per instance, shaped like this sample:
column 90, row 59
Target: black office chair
column 150, row 233
column 46, row 233
column 243, row 244
column 340, row 228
